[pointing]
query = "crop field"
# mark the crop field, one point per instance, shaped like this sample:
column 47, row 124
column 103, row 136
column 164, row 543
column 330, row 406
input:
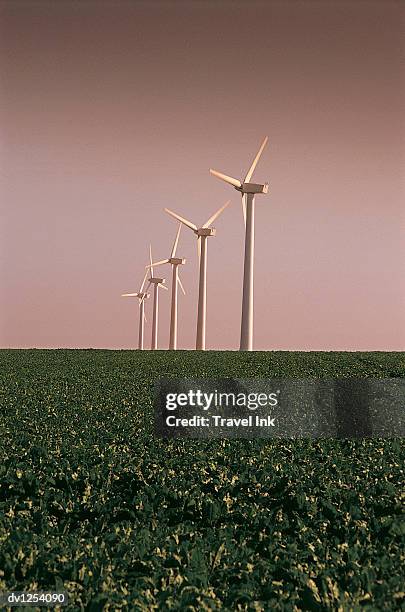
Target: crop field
column 91, row 502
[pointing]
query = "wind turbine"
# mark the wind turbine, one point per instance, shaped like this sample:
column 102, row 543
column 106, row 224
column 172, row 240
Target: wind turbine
column 142, row 296
column 175, row 263
column 248, row 191
column 202, row 234
column 156, row 282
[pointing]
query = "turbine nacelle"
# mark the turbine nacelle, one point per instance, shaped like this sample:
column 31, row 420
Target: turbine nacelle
column 253, row 188
column 138, row 295
column 157, row 281
column 176, row 261
column 205, row 231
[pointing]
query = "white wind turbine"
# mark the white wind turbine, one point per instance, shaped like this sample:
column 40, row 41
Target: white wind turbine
column 142, row 296
column 202, row 234
column 156, row 282
column 248, row 191
column 175, row 263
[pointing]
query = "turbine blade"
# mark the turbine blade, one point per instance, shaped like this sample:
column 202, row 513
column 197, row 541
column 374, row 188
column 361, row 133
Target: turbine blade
column 199, row 249
column 215, row 215
column 181, row 219
column 144, row 315
column 244, row 208
column 181, row 285
column 145, row 293
column 226, row 178
column 163, row 286
column 143, row 282
column 254, row 162
column 129, row 295
column 176, row 241
column 150, row 260
column 158, row 263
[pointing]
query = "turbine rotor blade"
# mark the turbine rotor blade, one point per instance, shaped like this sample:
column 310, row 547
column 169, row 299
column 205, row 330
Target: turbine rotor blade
column 145, row 294
column 143, row 282
column 144, row 315
column 176, row 241
column 157, row 263
column 163, row 286
column 226, row 178
column 181, row 285
column 244, row 208
column 129, row 294
column 254, row 162
column 181, row 219
column 215, row 215
column 150, row 260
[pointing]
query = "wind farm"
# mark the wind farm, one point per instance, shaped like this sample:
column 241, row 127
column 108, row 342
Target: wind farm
column 248, row 190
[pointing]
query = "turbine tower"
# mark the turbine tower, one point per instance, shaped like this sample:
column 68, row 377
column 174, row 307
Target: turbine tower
column 202, row 234
column 142, row 318
column 156, row 282
column 175, row 263
column 248, row 191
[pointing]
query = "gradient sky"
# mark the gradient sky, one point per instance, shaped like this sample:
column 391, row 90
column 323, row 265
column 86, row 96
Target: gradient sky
column 110, row 111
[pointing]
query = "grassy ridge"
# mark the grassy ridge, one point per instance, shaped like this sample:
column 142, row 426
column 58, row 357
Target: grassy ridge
column 90, row 501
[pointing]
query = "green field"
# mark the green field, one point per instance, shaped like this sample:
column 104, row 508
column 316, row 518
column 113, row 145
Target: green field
column 92, row 502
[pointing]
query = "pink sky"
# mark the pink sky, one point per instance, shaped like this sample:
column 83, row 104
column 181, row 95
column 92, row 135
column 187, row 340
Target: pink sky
column 112, row 111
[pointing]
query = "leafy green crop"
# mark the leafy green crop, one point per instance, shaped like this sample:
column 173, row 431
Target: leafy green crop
column 92, row 502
